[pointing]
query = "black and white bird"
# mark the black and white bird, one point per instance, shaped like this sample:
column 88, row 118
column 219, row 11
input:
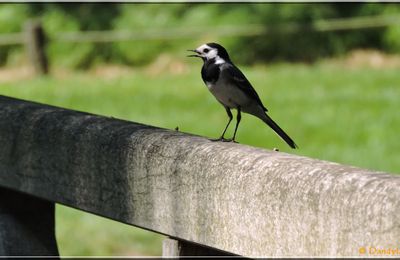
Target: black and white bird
column 232, row 89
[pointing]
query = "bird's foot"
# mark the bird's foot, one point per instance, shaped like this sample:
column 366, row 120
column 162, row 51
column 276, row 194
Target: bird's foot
column 222, row 139
column 232, row 141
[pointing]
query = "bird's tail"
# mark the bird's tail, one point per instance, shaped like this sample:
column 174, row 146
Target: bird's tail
column 278, row 130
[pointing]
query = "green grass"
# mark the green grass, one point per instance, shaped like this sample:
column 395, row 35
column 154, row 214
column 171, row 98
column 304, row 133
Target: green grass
column 83, row 234
column 333, row 113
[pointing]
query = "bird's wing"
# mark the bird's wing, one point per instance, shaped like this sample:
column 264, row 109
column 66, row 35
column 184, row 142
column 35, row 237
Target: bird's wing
column 237, row 78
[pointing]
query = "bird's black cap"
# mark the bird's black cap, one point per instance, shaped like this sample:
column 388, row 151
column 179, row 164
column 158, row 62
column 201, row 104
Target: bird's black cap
column 221, row 50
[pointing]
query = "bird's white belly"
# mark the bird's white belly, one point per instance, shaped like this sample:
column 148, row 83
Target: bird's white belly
column 228, row 94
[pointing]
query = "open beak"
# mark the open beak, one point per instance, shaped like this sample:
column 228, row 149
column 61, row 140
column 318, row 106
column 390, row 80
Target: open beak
column 194, row 55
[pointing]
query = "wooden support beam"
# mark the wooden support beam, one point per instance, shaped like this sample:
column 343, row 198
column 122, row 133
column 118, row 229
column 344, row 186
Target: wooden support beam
column 35, row 44
column 175, row 248
column 27, row 225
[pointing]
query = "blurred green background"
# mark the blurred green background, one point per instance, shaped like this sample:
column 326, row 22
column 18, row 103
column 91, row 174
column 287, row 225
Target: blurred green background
column 335, row 92
column 278, row 45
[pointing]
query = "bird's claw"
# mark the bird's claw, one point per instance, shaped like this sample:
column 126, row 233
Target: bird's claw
column 231, row 140
column 221, row 139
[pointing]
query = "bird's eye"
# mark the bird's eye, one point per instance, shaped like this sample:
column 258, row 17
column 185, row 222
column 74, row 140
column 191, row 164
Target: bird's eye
column 206, row 50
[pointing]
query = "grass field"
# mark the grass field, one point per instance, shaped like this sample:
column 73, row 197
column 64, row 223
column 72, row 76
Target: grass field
column 334, row 112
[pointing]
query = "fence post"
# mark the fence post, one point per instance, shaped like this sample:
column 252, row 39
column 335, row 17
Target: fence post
column 27, row 226
column 35, row 43
column 172, row 248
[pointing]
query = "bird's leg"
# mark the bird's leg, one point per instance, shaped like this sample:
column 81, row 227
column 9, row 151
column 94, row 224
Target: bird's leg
column 238, row 118
column 228, row 111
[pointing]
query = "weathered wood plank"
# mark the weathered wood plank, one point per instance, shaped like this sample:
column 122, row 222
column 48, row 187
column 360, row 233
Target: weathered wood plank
column 240, row 199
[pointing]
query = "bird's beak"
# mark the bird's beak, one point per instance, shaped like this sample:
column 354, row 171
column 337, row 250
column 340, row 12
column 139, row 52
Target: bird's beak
column 194, row 55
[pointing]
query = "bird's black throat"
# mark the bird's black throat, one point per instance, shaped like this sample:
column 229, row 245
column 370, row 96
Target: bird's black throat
column 210, row 71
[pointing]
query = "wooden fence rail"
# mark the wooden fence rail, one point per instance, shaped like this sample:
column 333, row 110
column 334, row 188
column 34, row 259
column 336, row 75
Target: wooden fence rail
column 210, row 198
column 41, row 64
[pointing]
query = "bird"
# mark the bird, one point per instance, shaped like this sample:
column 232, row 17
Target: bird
column 232, row 89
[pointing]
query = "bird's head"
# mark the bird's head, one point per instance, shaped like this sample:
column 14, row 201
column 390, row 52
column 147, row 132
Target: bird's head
column 211, row 51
